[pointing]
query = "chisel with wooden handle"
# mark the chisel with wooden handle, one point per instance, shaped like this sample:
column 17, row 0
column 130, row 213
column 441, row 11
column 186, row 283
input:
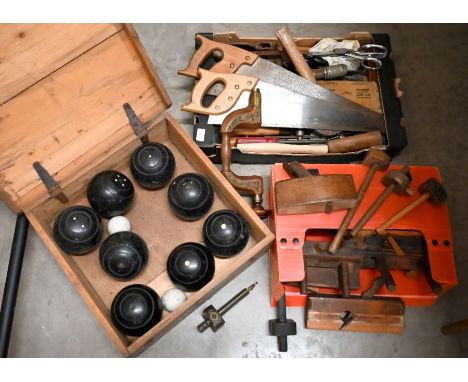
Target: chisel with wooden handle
column 314, row 146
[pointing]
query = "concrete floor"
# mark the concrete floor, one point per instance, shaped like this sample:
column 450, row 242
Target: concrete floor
column 52, row 321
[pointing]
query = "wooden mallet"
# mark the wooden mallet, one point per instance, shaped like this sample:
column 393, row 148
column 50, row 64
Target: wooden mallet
column 431, row 190
column 396, row 181
column 375, row 160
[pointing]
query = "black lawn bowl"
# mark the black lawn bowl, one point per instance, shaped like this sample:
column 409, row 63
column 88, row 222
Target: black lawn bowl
column 190, row 266
column 152, row 165
column 190, row 196
column 110, row 193
column 136, row 309
column 78, row 230
column 225, row 233
column 123, row 255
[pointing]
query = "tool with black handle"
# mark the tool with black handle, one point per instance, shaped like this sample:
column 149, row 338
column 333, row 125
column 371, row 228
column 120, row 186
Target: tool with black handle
column 282, row 327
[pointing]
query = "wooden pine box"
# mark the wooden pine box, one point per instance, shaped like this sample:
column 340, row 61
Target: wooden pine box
column 62, row 90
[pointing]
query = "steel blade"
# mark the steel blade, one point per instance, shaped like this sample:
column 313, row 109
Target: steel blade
column 271, row 73
column 282, row 108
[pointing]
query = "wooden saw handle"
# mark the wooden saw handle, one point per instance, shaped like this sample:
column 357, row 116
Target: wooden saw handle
column 232, row 57
column 234, row 85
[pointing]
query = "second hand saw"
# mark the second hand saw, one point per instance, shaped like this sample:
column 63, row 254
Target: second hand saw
column 239, row 61
column 281, row 108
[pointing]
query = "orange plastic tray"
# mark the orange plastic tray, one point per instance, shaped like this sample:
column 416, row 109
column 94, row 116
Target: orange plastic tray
column 286, row 258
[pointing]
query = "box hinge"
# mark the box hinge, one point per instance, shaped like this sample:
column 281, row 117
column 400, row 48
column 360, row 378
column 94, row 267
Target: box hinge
column 52, row 186
column 138, row 127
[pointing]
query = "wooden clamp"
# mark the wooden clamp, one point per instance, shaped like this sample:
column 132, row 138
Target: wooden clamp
column 249, row 117
column 54, row 189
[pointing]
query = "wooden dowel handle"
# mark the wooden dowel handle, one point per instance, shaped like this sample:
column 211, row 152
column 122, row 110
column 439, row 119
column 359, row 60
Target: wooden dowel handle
column 455, row 328
column 344, row 279
column 372, row 209
column 226, row 152
column 396, row 247
column 258, row 131
column 410, row 207
column 296, row 170
column 287, row 40
column 340, row 234
column 355, row 142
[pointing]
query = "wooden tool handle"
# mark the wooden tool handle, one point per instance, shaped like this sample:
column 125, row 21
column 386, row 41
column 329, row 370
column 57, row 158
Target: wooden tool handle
column 232, row 57
column 344, row 279
column 403, row 212
column 282, row 149
column 259, row 131
column 284, row 35
column 234, row 85
column 455, row 328
column 296, row 169
column 355, row 143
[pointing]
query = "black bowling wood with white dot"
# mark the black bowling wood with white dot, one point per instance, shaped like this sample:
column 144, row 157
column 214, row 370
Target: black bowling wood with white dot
column 123, row 255
column 190, row 196
column 136, row 309
column 190, row 266
column 110, row 193
column 152, row 165
column 77, row 230
column 225, row 233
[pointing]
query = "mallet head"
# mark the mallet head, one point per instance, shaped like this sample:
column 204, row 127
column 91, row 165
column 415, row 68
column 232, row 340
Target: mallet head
column 400, row 179
column 436, row 191
column 378, row 158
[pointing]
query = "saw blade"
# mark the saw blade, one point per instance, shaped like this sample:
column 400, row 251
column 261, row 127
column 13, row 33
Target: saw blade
column 282, row 108
column 274, row 74
column 271, row 73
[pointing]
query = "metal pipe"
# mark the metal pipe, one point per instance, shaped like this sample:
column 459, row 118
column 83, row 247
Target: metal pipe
column 12, row 281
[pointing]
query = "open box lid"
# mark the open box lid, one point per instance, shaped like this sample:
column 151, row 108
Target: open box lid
column 62, row 90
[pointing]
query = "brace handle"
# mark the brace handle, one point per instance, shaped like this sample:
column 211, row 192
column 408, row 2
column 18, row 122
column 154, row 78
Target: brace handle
column 249, row 117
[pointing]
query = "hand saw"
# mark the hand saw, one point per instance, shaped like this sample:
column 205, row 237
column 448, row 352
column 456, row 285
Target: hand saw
column 280, row 107
column 240, row 61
